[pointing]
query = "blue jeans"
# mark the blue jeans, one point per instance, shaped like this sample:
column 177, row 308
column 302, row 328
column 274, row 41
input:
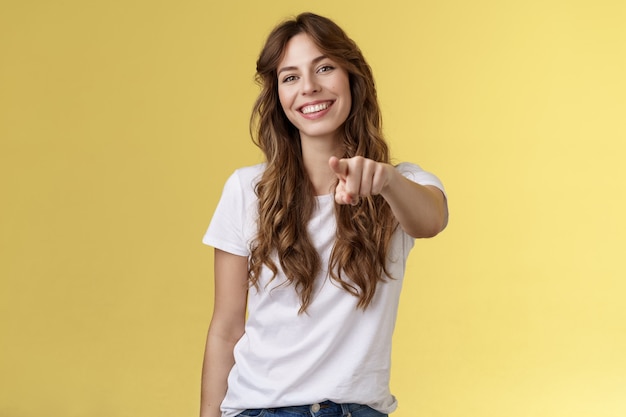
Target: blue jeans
column 325, row 409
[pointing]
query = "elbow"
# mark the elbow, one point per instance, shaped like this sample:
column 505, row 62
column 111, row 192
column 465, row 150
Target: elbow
column 425, row 232
column 430, row 228
column 430, row 233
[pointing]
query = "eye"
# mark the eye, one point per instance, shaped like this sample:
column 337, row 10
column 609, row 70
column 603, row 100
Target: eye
column 289, row 78
column 325, row 68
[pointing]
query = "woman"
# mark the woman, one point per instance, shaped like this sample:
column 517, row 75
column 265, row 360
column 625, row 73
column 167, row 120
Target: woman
column 312, row 243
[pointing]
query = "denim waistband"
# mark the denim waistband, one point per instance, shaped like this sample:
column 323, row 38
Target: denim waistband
column 322, row 409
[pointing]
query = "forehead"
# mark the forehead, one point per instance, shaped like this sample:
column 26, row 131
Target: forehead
column 299, row 51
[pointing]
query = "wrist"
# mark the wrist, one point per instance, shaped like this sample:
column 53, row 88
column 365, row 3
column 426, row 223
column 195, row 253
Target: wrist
column 391, row 175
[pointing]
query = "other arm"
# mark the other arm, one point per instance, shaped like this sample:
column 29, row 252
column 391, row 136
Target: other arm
column 226, row 328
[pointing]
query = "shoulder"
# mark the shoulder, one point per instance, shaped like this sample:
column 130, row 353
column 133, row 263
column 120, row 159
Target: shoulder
column 250, row 173
column 408, row 168
column 412, row 171
column 416, row 174
column 246, row 177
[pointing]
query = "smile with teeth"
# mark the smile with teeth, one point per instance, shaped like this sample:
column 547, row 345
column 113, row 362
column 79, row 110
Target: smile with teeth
column 315, row 108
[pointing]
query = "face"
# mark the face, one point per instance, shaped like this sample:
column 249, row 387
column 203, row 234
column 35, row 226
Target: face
column 314, row 91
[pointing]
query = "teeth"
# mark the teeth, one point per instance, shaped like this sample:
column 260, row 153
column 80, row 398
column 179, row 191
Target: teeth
column 315, row 108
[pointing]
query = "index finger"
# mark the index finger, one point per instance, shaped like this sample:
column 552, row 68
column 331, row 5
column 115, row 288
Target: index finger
column 339, row 166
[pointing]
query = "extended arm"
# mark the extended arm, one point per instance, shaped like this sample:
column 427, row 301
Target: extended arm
column 422, row 211
column 227, row 327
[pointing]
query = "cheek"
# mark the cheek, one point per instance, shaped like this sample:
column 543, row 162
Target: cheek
column 344, row 87
column 285, row 105
column 348, row 99
column 283, row 98
column 349, row 95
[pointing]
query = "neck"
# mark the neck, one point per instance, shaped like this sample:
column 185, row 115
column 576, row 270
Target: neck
column 315, row 154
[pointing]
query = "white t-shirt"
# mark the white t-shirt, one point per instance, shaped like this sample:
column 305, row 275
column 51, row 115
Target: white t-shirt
column 334, row 351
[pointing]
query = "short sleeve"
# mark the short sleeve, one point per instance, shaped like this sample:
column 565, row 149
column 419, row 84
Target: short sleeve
column 418, row 175
column 226, row 230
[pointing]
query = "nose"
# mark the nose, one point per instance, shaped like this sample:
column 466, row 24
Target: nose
column 310, row 85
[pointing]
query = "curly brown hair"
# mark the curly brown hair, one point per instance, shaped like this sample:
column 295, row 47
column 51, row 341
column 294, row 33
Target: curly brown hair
column 285, row 193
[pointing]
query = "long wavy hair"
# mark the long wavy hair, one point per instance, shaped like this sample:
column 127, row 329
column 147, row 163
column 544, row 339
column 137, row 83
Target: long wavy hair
column 285, row 193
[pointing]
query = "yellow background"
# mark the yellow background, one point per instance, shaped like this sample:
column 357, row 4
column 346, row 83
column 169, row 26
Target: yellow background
column 120, row 121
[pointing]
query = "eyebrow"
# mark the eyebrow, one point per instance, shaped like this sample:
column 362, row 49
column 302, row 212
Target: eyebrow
column 315, row 61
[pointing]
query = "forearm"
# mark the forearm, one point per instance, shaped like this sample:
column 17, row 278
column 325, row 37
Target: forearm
column 420, row 210
column 218, row 361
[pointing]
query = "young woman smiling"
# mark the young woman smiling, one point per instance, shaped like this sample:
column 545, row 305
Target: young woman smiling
column 313, row 242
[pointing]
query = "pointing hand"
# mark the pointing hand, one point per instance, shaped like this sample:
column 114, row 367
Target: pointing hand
column 358, row 177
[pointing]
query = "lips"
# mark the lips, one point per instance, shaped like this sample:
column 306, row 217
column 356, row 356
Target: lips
column 315, row 107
